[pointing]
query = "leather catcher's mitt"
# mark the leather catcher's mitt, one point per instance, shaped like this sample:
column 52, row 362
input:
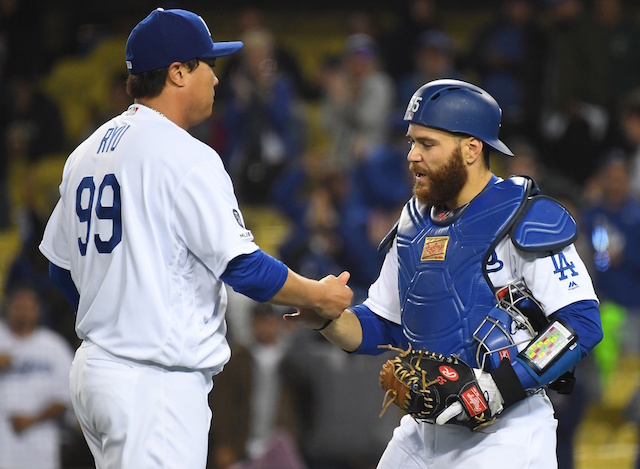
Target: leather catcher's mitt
column 424, row 384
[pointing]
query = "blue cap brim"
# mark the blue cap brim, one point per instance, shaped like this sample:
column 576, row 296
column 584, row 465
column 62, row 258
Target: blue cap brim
column 221, row 49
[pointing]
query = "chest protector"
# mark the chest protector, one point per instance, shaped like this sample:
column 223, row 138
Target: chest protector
column 445, row 292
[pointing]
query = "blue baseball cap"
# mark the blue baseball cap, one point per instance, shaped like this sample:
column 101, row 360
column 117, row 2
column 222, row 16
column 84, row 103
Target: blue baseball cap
column 167, row 36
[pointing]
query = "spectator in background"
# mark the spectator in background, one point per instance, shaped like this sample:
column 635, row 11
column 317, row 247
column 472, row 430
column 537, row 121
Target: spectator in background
column 30, row 267
column 509, row 57
column 339, row 219
column 575, row 119
column 551, row 183
column 629, row 128
column 251, row 18
column 434, row 58
column 266, row 131
column 357, row 102
column 379, row 186
column 399, row 44
column 314, row 246
column 622, row 42
column 118, row 103
column 31, row 128
column 336, row 403
column 5, row 166
column 35, row 128
column 34, row 386
column 247, row 405
column 612, row 221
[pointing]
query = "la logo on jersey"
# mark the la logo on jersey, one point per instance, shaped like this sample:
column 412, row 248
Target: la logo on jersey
column 562, row 265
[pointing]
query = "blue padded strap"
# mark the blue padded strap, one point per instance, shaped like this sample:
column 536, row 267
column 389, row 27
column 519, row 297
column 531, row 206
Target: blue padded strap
column 545, row 226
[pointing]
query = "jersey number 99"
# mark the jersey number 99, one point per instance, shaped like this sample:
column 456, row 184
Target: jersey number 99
column 103, row 212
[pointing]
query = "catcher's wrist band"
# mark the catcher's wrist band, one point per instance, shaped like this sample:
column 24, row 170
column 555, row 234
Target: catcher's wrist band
column 324, row 326
column 508, row 383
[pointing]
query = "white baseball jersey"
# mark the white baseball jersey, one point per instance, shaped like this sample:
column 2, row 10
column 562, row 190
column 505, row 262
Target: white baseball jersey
column 147, row 222
column 555, row 281
column 37, row 378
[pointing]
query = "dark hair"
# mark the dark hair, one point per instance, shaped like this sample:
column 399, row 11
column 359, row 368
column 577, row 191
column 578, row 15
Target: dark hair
column 486, row 153
column 150, row 84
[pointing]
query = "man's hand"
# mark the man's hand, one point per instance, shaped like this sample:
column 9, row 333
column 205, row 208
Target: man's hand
column 337, row 296
column 22, row 422
column 491, row 394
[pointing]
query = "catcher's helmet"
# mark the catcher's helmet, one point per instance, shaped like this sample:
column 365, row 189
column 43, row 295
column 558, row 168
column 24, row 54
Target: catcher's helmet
column 458, row 107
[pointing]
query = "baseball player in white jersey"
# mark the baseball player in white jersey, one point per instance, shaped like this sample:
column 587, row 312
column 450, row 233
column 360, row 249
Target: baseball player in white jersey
column 34, row 386
column 146, row 231
column 483, row 269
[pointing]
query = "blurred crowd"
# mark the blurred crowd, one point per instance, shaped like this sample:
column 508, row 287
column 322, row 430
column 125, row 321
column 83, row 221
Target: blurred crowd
column 567, row 76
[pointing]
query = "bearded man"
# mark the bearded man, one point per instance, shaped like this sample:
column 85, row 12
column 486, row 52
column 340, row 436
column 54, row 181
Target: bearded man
column 483, row 270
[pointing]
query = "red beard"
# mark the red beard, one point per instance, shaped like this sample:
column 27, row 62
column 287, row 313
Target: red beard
column 445, row 183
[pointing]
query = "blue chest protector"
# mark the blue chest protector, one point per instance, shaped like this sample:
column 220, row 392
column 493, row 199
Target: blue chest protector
column 445, row 293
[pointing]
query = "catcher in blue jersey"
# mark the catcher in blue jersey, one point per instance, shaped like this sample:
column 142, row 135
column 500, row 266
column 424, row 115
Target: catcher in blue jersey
column 481, row 293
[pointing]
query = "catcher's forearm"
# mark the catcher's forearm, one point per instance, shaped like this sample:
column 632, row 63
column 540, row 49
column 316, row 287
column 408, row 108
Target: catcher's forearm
column 344, row 332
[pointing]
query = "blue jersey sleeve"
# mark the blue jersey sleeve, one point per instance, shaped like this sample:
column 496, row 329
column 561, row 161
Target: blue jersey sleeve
column 377, row 331
column 61, row 278
column 584, row 318
column 257, row 275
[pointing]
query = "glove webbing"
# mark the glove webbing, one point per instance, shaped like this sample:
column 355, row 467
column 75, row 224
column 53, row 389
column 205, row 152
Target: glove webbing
column 411, row 377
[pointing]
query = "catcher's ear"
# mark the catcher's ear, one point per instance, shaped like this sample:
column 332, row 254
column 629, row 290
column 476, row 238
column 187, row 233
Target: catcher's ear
column 474, row 150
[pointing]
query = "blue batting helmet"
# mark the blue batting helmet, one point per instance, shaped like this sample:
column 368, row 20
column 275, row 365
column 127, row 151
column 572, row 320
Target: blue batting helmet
column 458, row 107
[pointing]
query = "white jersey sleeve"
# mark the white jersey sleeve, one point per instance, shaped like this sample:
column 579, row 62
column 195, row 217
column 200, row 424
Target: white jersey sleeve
column 555, row 280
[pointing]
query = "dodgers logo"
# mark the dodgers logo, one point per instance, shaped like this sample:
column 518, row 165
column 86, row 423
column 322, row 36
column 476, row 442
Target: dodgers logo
column 493, row 263
column 561, row 265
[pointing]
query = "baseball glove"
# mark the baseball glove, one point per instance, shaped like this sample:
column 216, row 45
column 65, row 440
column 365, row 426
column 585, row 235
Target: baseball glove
column 439, row 389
